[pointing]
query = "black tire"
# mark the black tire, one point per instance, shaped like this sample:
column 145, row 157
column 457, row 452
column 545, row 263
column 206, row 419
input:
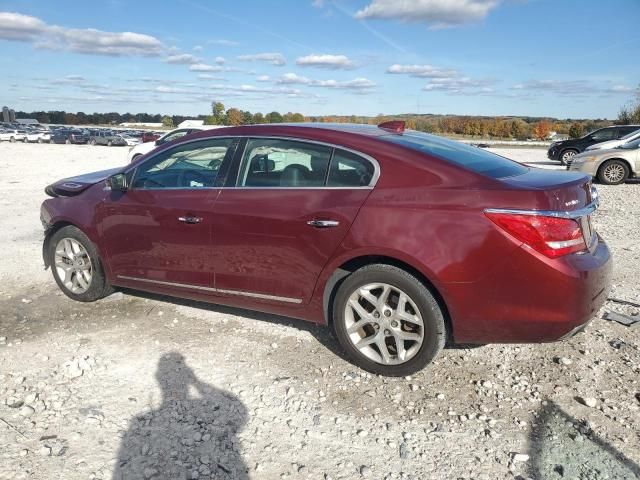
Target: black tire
column 25, row 140
column 40, row 140
column 429, row 309
column 98, row 287
column 135, row 157
column 567, row 155
column 93, row 142
column 12, row 139
column 109, row 143
column 613, row 172
column 67, row 141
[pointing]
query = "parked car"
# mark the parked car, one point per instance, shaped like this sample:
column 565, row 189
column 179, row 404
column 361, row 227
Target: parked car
column 69, row 136
column 149, row 137
column 12, row 135
column 566, row 149
column 146, row 147
column 398, row 240
column 38, row 136
column 132, row 139
column 611, row 166
column 630, row 137
column 105, row 137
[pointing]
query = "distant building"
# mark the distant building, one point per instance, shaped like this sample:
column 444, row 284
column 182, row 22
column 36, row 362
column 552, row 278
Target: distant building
column 141, row 124
column 191, row 123
column 12, row 115
column 27, row 121
column 5, row 114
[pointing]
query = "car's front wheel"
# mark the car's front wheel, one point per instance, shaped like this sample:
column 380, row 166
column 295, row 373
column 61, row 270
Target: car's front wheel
column 76, row 266
column 387, row 321
column 613, row 172
column 567, row 156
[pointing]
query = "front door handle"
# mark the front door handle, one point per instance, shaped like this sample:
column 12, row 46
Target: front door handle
column 323, row 223
column 190, row 219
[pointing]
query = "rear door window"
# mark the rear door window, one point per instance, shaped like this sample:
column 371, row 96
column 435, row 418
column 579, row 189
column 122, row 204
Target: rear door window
column 472, row 158
column 281, row 163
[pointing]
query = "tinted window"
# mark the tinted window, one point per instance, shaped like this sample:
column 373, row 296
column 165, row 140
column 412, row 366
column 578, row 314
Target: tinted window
column 194, row 165
column 349, row 170
column 283, row 163
column 603, row 135
column 175, row 135
column 472, row 158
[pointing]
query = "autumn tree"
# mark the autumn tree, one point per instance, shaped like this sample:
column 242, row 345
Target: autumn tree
column 167, row 121
column 520, row 129
column 541, row 130
column 233, row 117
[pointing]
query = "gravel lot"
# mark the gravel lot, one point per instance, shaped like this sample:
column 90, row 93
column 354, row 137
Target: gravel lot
column 139, row 386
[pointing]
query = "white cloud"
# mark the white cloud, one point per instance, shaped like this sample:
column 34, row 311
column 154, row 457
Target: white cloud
column 205, row 67
column 436, row 13
column 360, row 85
column 223, row 43
column 15, row 26
column 570, row 88
column 318, row 3
column 220, row 60
column 182, row 59
column 461, row 86
column 276, row 59
column 18, row 27
column 208, row 76
column 422, row 71
column 336, row 62
column 263, row 78
column 198, row 48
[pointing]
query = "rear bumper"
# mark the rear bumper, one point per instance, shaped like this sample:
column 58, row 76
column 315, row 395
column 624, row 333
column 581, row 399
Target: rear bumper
column 531, row 298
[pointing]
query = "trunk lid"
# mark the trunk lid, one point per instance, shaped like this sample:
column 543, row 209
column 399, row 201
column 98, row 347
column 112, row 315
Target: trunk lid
column 69, row 187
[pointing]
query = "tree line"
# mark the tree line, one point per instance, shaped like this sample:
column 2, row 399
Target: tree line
column 519, row 128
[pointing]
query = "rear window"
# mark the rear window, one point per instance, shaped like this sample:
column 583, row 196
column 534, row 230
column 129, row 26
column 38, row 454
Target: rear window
column 472, row 158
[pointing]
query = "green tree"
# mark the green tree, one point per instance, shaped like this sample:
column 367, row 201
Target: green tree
column 520, row 129
column 258, row 118
column 247, row 118
column 274, row 117
column 218, row 113
column 576, row 130
column 297, row 118
column 167, row 121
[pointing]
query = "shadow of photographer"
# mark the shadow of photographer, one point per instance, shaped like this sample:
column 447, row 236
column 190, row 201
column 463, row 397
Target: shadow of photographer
column 192, row 434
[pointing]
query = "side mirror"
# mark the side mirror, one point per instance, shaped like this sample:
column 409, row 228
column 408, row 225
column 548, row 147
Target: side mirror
column 158, row 142
column 117, row 182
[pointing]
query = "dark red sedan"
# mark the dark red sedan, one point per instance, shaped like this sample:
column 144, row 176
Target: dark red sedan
column 397, row 239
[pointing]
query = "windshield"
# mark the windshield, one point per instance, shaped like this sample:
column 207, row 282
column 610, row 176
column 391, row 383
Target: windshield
column 631, row 136
column 472, row 158
column 631, row 145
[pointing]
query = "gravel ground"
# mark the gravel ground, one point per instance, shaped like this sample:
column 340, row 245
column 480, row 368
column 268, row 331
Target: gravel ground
column 141, row 386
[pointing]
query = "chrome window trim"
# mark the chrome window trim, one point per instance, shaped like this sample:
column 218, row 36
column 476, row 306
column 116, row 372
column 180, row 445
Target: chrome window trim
column 573, row 214
column 261, row 296
column 372, row 183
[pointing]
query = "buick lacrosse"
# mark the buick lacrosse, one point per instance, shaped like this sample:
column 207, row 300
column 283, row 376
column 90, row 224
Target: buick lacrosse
column 398, row 240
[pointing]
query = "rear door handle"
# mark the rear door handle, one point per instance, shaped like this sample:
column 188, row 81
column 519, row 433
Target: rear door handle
column 190, row 220
column 323, row 223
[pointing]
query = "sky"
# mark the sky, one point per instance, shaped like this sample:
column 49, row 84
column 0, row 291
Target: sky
column 558, row 58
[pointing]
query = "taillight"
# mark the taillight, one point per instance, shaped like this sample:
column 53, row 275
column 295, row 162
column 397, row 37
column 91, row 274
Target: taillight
column 551, row 236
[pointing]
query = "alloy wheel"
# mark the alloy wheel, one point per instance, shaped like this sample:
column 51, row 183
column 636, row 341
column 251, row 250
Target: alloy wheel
column 568, row 156
column 614, row 173
column 73, row 265
column 384, row 323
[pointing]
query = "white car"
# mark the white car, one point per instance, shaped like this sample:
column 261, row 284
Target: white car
column 144, row 148
column 630, row 137
column 11, row 135
column 38, row 137
column 131, row 141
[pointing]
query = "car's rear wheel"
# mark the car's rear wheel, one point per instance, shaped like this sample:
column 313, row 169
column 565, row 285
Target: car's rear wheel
column 109, row 143
column 67, row 141
column 387, row 321
column 76, row 266
column 92, row 142
column 12, row 139
column 613, row 172
column 40, row 140
column 25, row 140
column 567, row 156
